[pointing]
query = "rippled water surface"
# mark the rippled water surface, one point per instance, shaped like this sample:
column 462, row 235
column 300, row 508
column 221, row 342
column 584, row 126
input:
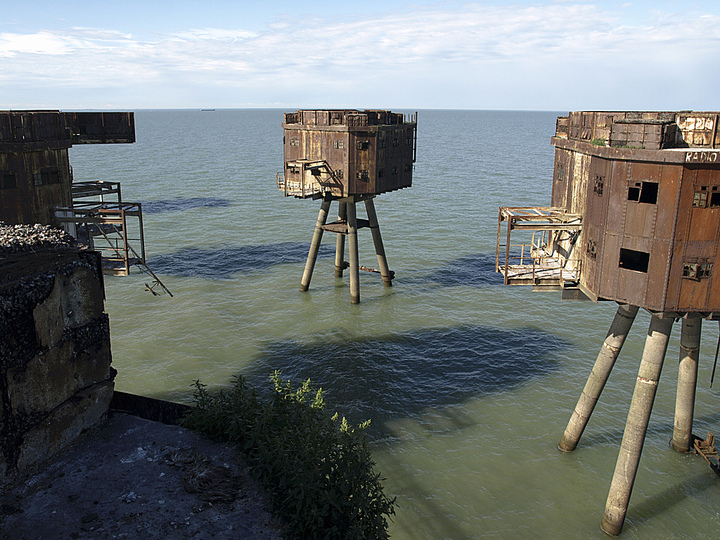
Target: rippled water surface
column 469, row 384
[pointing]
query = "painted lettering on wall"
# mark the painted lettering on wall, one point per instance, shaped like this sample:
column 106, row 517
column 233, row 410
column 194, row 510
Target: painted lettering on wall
column 699, row 123
column 702, row 157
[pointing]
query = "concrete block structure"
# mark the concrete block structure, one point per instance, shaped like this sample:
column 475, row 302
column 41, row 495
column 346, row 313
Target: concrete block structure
column 56, row 378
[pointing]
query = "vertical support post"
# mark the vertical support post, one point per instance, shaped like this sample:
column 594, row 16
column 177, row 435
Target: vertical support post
column 636, row 425
column 687, row 383
column 507, row 249
column 340, row 243
column 142, row 233
column 353, row 248
column 604, row 363
column 377, row 240
column 315, row 245
column 497, row 244
column 126, row 251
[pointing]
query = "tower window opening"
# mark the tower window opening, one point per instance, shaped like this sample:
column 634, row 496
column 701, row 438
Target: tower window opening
column 644, row 192
column 599, row 184
column 634, row 260
column 700, row 197
column 649, row 192
column 696, row 271
column 46, row 178
column 8, row 181
column 715, row 197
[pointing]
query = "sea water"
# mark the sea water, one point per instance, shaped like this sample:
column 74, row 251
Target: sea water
column 469, row 383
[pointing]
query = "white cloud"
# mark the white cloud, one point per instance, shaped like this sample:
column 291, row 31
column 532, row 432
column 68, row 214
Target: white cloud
column 507, row 53
column 45, row 43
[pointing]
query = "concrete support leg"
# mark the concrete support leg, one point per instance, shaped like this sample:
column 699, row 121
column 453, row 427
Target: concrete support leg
column 314, row 246
column 377, row 240
column 340, row 243
column 636, row 425
column 353, row 248
column 598, row 377
column 687, row 382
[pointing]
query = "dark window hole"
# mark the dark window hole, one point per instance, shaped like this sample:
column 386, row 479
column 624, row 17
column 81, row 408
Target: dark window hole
column 634, row 260
column 644, row 192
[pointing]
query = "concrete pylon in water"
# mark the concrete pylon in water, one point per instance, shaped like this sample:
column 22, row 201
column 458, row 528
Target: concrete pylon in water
column 347, row 225
column 636, row 425
column 687, row 383
column 315, row 245
column 598, row 377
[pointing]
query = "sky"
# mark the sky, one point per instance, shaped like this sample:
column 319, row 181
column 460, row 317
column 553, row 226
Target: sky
column 552, row 55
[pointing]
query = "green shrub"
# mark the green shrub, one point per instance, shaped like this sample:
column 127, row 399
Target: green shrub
column 598, row 141
column 316, row 467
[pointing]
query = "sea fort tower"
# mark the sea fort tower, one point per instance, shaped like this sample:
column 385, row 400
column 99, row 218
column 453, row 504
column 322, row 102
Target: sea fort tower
column 634, row 219
column 348, row 156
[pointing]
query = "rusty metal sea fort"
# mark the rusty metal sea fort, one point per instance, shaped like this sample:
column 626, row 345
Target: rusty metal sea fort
column 634, row 219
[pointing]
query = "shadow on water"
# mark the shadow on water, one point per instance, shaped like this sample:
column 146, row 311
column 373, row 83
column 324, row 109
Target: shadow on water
column 477, row 270
column 178, row 205
column 646, row 510
column 224, row 261
column 401, row 375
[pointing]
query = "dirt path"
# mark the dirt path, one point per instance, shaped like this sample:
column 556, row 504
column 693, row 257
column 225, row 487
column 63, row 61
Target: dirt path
column 134, row 478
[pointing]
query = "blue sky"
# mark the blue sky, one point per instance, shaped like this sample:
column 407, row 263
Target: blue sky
column 543, row 55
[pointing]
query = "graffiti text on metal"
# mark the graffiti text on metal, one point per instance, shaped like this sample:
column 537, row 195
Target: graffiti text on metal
column 702, row 157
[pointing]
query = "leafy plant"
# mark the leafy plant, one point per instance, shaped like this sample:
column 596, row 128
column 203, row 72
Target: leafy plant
column 598, row 141
column 317, row 467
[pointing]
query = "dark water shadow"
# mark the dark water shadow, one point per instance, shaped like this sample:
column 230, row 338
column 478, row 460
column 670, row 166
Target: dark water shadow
column 224, row 261
column 400, row 375
column 646, row 510
column 178, row 205
column 476, row 270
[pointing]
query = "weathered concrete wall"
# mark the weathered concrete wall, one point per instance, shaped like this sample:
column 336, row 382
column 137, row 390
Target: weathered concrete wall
column 55, row 373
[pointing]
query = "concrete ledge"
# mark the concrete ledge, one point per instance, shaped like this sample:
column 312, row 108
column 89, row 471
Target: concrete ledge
column 157, row 410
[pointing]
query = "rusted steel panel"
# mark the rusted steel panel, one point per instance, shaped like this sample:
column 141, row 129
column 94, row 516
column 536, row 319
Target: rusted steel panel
column 668, row 198
column 639, row 135
column 33, row 130
column 703, row 224
column 579, row 179
column 642, row 192
column 658, row 274
column 610, row 267
column 362, row 154
column 33, row 185
column 673, row 286
column 634, row 265
column 713, row 300
column 561, row 175
column 694, row 294
column 617, row 196
column 595, row 218
column 591, row 251
column 101, row 127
